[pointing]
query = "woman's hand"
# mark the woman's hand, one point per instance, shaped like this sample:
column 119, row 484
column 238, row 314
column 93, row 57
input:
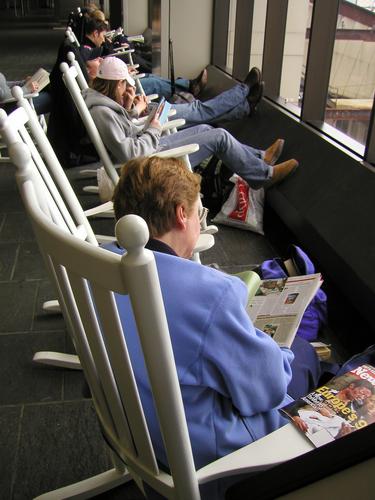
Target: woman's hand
column 132, row 70
column 300, row 423
column 32, row 86
column 155, row 121
column 140, row 104
column 128, row 97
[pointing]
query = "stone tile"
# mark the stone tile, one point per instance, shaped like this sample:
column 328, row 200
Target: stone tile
column 2, row 221
column 216, row 254
column 128, row 491
column 103, row 226
column 23, row 381
column 17, row 301
column 43, row 320
column 75, row 386
column 60, row 444
column 10, row 201
column 7, row 178
column 22, row 58
column 9, row 425
column 235, row 247
column 8, row 253
column 244, row 247
column 16, row 227
column 237, row 269
column 69, row 347
column 30, row 264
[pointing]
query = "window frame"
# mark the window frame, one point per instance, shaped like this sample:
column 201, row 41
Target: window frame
column 319, row 61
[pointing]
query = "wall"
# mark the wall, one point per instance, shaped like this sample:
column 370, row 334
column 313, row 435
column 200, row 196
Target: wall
column 135, row 16
column 231, row 30
column 293, row 62
column 294, row 45
column 190, row 30
column 257, row 38
column 325, row 207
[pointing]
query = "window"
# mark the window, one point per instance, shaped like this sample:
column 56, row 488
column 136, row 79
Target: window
column 296, row 44
column 231, row 31
column 352, row 78
column 257, row 36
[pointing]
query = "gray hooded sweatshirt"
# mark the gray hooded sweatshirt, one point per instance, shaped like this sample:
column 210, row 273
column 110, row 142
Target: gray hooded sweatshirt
column 123, row 139
column 5, row 87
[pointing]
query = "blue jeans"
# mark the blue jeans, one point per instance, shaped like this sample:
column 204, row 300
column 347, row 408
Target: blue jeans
column 153, row 84
column 229, row 105
column 243, row 160
column 43, row 103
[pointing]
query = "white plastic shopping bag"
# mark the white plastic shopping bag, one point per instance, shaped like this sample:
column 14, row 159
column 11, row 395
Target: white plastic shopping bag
column 243, row 208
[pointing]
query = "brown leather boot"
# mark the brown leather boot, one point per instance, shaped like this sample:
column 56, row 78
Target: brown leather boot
column 281, row 171
column 273, row 153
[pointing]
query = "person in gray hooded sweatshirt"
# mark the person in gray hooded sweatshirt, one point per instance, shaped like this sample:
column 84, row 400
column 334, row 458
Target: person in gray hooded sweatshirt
column 112, row 104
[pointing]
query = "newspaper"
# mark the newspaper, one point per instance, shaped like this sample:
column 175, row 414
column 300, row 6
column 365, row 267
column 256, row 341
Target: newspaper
column 41, row 77
column 278, row 305
column 136, row 38
column 345, row 404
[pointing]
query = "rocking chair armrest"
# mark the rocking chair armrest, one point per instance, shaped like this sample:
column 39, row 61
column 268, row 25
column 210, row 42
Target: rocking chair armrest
column 177, row 152
column 180, row 122
column 26, row 96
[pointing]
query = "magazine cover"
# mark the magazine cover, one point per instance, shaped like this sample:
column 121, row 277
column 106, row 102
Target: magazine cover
column 344, row 405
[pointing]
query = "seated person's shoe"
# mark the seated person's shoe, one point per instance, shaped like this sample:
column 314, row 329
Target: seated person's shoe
column 198, row 84
column 253, row 77
column 255, row 95
column 273, row 153
column 281, row 171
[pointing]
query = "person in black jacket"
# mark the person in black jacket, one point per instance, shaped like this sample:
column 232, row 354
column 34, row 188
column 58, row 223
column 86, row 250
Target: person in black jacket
column 66, row 131
column 94, row 43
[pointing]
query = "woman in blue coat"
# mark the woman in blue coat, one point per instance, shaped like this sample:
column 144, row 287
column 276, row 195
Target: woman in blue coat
column 233, row 377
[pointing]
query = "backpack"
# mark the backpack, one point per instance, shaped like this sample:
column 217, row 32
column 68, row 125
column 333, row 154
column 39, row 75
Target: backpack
column 315, row 315
column 366, row 357
column 215, row 184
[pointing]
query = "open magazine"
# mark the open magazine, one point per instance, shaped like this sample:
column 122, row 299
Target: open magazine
column 162, row 109
column 41, row 77
column 345, row 404
column 276, row 306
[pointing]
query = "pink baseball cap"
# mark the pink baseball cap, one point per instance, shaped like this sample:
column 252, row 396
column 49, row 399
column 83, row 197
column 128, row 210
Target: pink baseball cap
column 112, row 68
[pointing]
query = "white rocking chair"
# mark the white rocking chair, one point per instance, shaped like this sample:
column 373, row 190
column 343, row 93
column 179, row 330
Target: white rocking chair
column 69, row 77
column 66, row 207
column 90, row 306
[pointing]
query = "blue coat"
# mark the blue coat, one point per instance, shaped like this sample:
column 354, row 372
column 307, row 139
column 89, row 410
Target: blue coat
column 233, row 377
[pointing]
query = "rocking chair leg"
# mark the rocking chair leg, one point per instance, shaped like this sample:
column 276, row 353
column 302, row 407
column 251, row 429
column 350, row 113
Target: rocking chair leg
column 58, row 359
column 51, row 306
column 89, row 487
